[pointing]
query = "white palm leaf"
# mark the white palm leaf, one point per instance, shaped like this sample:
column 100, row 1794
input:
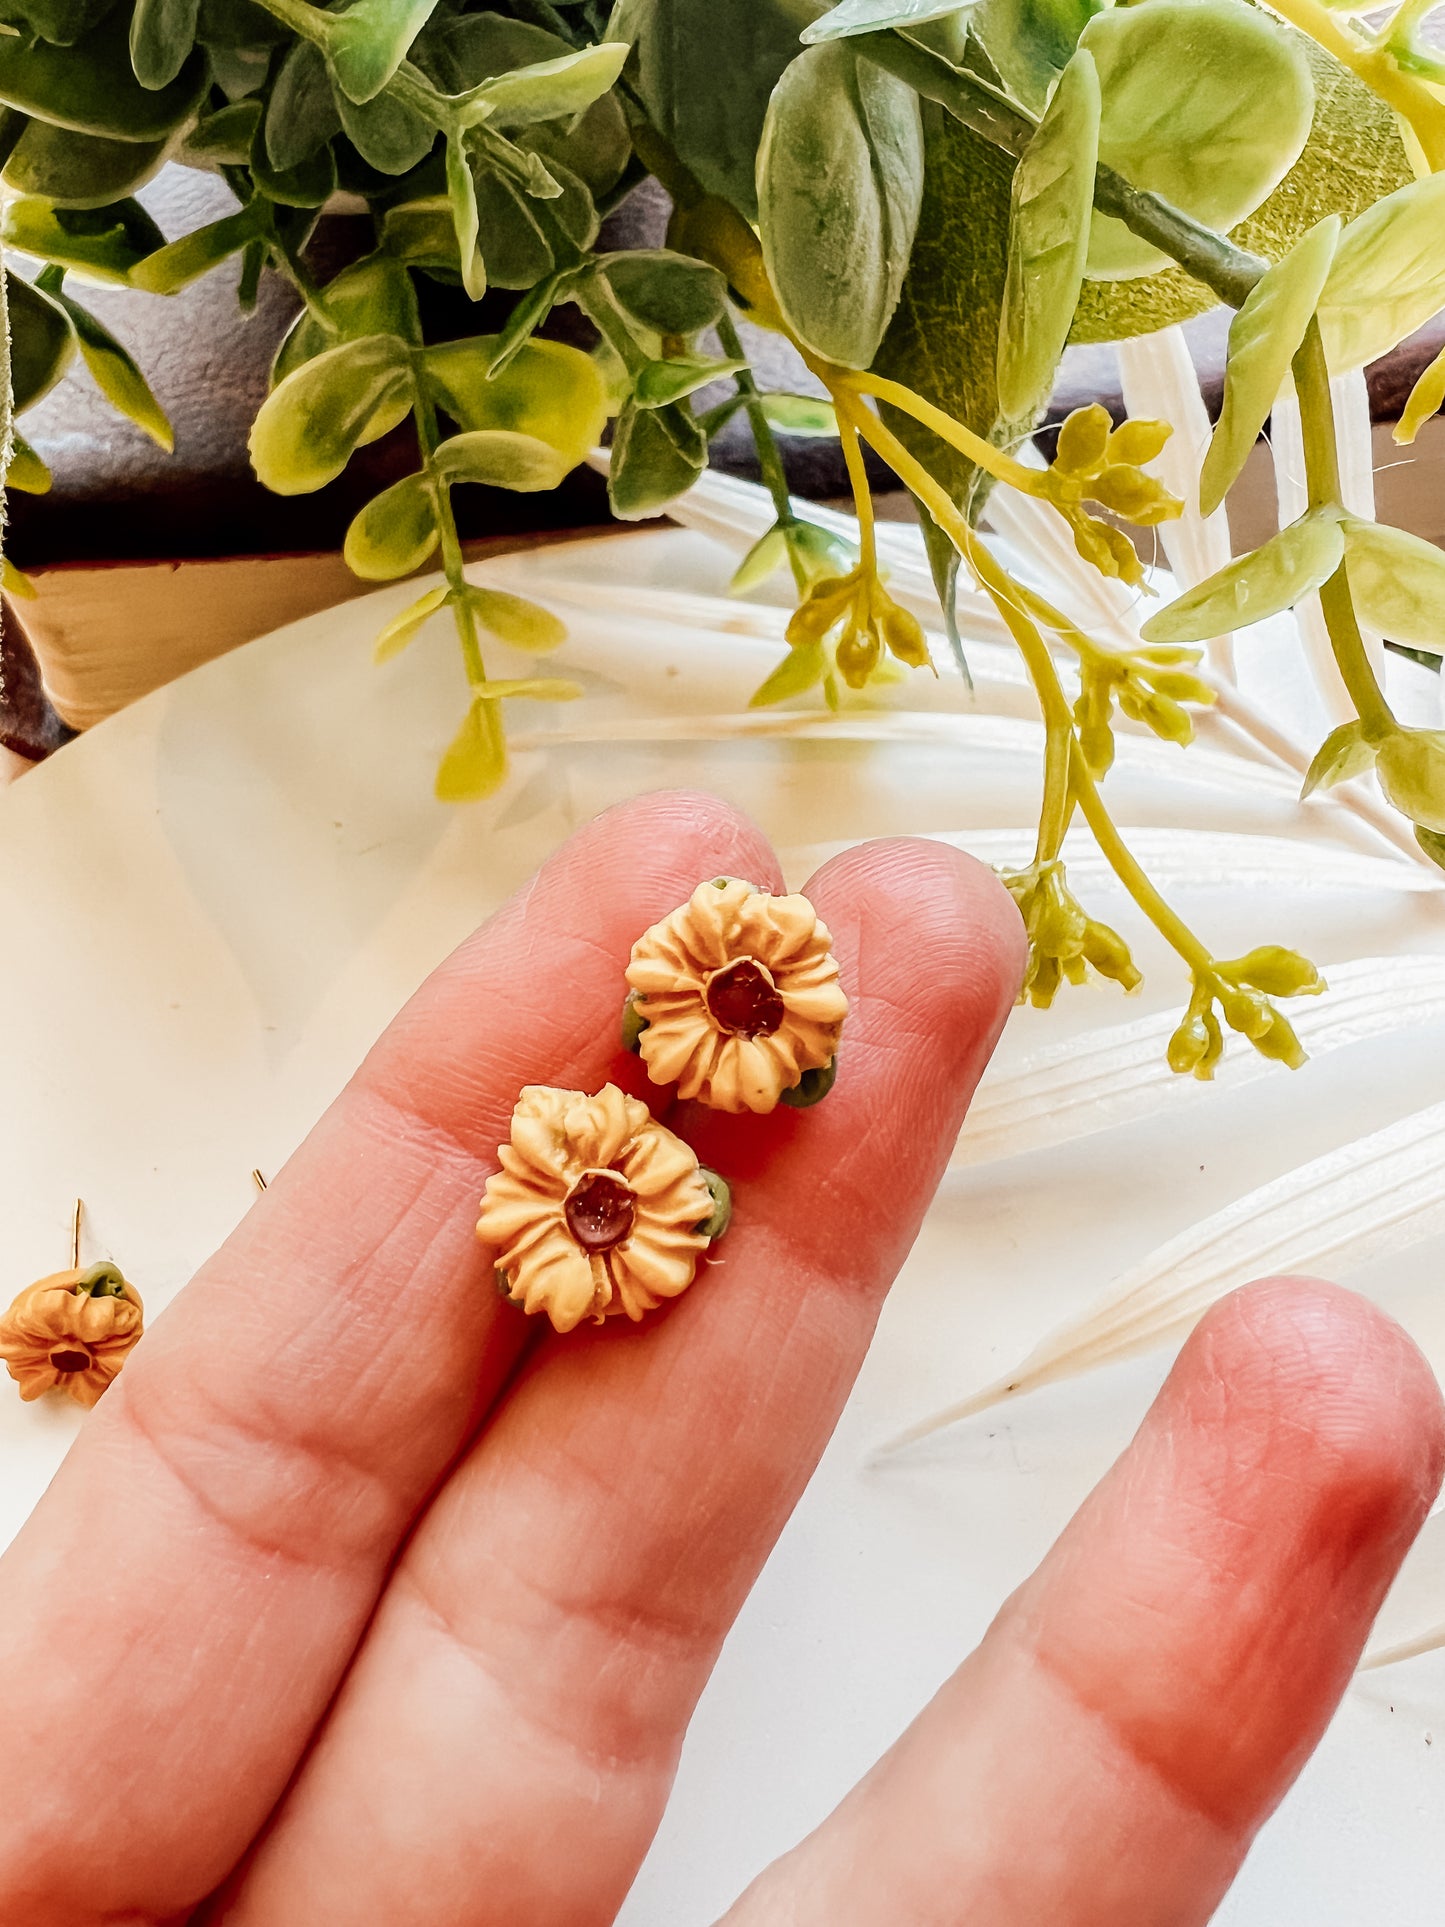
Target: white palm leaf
column 1362, row 1202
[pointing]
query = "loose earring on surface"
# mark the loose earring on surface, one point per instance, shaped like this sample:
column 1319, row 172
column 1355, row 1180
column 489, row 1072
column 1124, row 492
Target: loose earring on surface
column 735, row 999
column 71, row 1332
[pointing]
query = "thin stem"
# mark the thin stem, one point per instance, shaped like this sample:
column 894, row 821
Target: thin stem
column 454, row 565
column 1003, row 468
column 1044, row 675
column 862, row 495
column 1322, row 477
column 770, row 461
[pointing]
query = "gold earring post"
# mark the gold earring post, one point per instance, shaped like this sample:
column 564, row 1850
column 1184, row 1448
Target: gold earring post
column 75, row 1221
column 258, row 1180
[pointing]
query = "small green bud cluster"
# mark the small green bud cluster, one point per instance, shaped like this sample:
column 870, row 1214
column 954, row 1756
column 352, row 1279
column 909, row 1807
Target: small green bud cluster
column 1243, row 987
column 1096, row 462
column 868, row 622
column 1150, row 685
column 1064, row 941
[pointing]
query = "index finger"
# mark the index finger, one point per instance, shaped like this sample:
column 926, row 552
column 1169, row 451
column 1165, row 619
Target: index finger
column 181, row 1605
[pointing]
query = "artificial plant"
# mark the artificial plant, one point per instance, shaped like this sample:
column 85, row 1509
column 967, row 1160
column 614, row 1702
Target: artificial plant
column 928, row 198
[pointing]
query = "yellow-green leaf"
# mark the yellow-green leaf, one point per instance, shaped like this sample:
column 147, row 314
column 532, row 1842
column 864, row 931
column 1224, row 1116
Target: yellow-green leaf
column 394, row 533
column 1397, row 583
column 501, row 458
column 1426, row 398
column 115, row 373
column 475, row 763
column 1052, row 201
column 542, row 689
column 516, row 621
column 1263, row 339
column 547, row 390
column 311, row 424
column 408, row 625
column 26, row 471
column 1388, row 276
column 1274, row 577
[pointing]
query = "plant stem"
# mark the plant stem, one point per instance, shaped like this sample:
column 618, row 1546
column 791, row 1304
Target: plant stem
column 1322, row 477
column 454, row 565
column 1003, row 467
column 770, row 461
column 1053, row 702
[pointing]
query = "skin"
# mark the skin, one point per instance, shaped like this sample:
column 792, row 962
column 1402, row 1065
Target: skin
column 361, row 1599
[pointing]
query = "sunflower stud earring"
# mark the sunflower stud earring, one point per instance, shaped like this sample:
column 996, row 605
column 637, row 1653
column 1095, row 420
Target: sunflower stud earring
column 735, row 998
column 71, row 1332
column 598, row 1210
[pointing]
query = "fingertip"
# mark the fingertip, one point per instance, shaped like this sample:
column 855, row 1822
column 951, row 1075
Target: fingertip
column 937, row 935
column 1340, row 1391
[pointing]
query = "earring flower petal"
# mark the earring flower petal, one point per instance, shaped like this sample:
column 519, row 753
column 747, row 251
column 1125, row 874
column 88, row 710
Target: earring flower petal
column 736, row 999
column 597, row 1211
column 71, row 1332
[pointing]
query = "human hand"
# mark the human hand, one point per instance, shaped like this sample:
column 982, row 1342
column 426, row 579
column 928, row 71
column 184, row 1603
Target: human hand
column 359, row 1600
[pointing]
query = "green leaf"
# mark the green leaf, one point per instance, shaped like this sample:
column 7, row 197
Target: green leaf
column 1263, row 339
column 660, row 382
column 174, row 267
column 1397, row 583
column 26, row 471
column 1278, row 574
column 385, row 132
column 807, row 416
column 79, row 170
column 309, row 184
column 406, row 627
column 101, row 244
column 15, row 582
column 115, row 373
column 1207, row 102
column 1388, row 277
column 1353, row 157
column 394, row 533
column 301, row 114
column 1030, row 42
column 803, row 668
column 547, row 89
column 1052, row 202
column 90, row 87
column 162, row 34
column 670, row 294
column 944, row 339
column 466, row 219
column 514, row 620
column 872, row 16
column 704, row 71
column 368, row 42
column 374, row 296
column 42, row 342
column 62, row 21
column 840, row 182
column 222, row 139
column 526, row 317
column 1344, row 753
column 311, row 424
column 502, row 458
column 657, row 455
column 422, row 233
column 476, row 762
column 513, row 244
column 548, row 390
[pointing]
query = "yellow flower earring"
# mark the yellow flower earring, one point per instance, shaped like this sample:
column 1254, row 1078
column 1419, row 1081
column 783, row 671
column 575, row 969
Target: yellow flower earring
column 71, row 1332
column 735, row 998
column 597, row 1210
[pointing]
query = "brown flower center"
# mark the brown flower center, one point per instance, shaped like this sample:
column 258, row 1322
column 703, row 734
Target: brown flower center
column 66, row 1362
column 744, row 1000
column 600, row 1210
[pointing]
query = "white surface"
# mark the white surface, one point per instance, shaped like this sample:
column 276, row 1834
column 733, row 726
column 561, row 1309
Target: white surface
column 215, row 901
